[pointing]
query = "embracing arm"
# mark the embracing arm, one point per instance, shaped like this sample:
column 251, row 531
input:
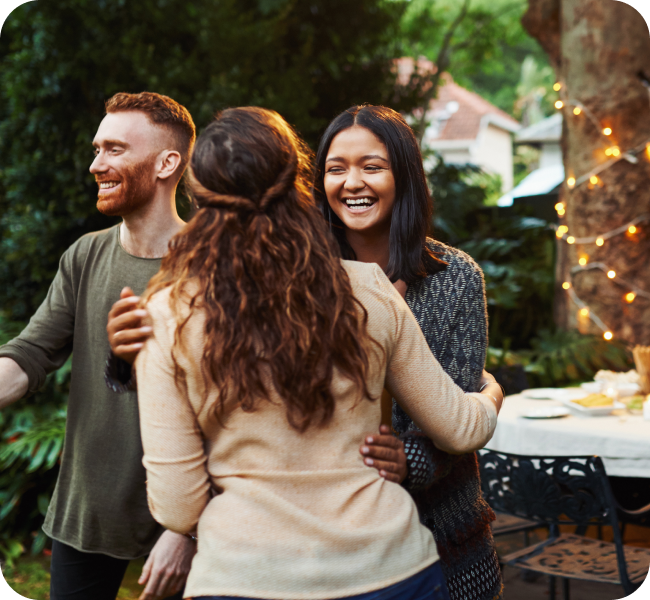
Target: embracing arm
column 178, row 485
column 466, row 337
column 455, row 421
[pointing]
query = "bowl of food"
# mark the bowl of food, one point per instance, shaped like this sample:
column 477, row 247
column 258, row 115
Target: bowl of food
column 593, row 405
column 635, row 404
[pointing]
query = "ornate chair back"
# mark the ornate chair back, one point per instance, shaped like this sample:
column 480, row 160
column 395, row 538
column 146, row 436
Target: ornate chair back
column 558, row 490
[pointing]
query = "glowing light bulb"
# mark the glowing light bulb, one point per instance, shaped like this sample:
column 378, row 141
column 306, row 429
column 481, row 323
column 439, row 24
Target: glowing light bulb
column 607, row 131
column 570, row 240
column 577, row 110
column 600, row 242
column 629, row 297
column 584, row 312
column 608, row 335
column 593, row 179
column 557, row 86
column 631, row 229
column 611, row 274
column 559, row 104
column 582, row 261
column 561, row 212
column 566, row 285
column 559, row 206
column 571, row 181
column 616, row 151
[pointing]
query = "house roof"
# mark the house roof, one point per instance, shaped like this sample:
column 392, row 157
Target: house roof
column 547, row 130
column 461, row 113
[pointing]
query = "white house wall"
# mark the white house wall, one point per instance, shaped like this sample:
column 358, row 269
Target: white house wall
column 493, row 153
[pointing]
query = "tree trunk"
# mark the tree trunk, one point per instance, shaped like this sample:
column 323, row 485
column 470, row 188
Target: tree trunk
column 602, row 61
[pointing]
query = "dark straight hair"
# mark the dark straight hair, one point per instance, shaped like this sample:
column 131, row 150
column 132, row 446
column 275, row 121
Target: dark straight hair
column 410, row 257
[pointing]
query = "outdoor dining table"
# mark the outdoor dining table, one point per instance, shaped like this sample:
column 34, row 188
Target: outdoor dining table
column 621, row 439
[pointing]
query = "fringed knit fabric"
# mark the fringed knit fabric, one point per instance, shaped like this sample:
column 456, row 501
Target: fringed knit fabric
column 449, row 306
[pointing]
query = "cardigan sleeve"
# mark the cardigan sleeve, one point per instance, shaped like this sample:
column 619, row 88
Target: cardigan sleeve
column 178, row 485
column 467, row 331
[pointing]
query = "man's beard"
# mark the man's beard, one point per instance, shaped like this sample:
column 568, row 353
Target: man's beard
column 136, row 190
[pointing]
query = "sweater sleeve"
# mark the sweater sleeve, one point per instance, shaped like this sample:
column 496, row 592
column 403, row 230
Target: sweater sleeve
column 427, row 464
column 178, row 486
column 46, row 343
column 455, row 421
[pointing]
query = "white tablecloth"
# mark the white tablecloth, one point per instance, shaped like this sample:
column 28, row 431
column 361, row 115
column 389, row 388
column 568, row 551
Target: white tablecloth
column 620, row 439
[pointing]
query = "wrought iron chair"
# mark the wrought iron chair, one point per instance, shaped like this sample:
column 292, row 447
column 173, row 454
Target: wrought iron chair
column 563, row 491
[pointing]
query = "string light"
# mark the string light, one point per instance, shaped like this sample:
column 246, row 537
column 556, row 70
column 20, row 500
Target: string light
column 614, row 154
column 599, row 240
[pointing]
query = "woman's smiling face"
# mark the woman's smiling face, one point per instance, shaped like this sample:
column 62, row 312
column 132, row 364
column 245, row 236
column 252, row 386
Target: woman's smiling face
column 359, row 182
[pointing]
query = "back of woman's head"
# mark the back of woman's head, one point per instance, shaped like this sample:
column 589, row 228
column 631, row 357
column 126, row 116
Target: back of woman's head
column 410, row 257
column 264, row 271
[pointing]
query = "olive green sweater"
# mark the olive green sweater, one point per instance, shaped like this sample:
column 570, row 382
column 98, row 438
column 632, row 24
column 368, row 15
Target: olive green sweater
column 100, row 502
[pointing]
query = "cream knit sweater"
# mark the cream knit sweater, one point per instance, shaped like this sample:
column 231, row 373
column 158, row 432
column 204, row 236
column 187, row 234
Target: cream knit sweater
column 298, row 516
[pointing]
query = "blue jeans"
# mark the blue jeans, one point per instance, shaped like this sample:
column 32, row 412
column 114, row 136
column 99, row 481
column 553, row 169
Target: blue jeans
column 425, row 585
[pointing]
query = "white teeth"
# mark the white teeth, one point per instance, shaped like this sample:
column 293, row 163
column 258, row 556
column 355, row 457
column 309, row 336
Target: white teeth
column 108, row 184
column 359, row 201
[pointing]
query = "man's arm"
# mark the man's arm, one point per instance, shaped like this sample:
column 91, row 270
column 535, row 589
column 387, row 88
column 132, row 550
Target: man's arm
column 14, row 381
column 45, row 344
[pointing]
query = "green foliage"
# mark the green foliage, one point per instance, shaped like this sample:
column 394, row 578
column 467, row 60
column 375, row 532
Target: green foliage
column 486, row 49
column 59, row 62
column 31, row 438
column 516, row 253
column 563, row 358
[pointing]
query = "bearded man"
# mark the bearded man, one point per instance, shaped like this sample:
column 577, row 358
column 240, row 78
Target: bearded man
column 98, row 517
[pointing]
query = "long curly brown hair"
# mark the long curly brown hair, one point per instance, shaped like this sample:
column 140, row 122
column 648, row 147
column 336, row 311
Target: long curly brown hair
column 265, row 270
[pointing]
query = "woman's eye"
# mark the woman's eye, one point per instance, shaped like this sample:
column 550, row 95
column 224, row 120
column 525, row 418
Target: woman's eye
column 372, row 168
column 335, row 170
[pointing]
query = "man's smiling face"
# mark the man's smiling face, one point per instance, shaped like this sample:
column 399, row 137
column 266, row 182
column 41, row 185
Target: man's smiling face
column 126, row 149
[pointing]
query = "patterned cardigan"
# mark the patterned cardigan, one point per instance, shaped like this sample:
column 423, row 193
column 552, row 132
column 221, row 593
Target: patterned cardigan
column 450, row 308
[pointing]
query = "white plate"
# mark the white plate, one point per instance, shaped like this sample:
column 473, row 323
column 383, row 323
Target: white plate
column 542, row 393
column 592, row 411
column 554, row 394
column 549, row 412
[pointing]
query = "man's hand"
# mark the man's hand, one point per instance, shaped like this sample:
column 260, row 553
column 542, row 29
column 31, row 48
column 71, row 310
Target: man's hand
column 167, row 567
column 126, row 332
column 13, row 381
column 386, row 453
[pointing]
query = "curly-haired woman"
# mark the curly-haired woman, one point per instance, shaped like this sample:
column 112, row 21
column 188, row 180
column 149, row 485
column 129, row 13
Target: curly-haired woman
column 265, row 365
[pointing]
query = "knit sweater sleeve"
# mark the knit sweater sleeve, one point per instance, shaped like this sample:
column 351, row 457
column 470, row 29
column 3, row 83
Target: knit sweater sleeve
column 467, row 338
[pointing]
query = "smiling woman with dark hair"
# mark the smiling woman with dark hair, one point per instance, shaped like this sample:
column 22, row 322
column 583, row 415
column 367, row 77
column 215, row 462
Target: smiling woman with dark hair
column 372, row 191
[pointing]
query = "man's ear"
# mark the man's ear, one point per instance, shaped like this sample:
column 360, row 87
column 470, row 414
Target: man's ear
column 169, row 163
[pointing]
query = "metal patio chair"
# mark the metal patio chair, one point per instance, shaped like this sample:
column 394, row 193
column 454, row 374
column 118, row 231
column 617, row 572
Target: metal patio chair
column 563, row 491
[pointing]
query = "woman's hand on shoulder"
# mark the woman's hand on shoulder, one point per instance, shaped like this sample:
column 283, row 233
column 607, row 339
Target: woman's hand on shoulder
column 385, row 453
